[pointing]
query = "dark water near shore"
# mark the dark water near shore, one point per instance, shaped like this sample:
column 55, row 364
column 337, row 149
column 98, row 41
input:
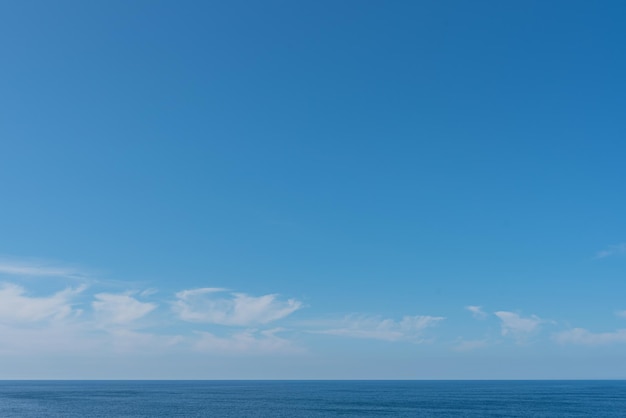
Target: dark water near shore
column 69, row 399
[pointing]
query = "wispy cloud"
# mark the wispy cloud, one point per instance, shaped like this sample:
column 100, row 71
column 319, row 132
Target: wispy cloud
column 613, row 250
column 215, row 306
column 469, row 345
column 119, row 309
column 514, row 325
column 37, row 268
column 477, row 311
column 17, row 306
column 45, row 338
column 408, row 328
column 621, row 314
column 107, row 322
column 250, row 341
column 584, row 337
column 123, row 340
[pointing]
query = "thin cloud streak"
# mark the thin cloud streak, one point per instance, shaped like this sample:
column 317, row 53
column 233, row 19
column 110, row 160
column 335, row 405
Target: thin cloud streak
column 409, row 328
column 249, row 342
column 613, row 250
column 469, row 345
column 34, row 269
column 582, row 336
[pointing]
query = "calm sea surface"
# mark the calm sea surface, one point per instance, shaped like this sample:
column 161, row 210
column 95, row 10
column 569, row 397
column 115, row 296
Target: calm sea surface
column 68, row 399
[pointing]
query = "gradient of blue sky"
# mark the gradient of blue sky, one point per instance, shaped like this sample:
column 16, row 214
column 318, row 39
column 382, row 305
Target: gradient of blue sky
column 354, row 175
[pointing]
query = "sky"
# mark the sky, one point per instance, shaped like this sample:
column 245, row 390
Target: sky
column 312, row 189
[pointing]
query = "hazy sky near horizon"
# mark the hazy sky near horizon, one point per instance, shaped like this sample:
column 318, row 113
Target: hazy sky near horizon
column 312, row 189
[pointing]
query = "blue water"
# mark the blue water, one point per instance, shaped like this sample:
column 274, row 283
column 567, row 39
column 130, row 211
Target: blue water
column 68, row 399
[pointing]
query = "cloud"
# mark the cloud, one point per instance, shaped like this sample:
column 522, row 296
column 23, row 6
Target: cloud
column 210, row 305
column 250, row 341
column 33, row 325
column 613, row 250
column 36, row 268
column 39, row 326
column 42, row 339
column 468, row 345
column 79, row 338
column 16, row 306
column 408, row 328
column 516, row 326
column 148, row 292
column 477, row 311
column 120, row 308
column 621, row 314
column 128, row 341
column 584, row 337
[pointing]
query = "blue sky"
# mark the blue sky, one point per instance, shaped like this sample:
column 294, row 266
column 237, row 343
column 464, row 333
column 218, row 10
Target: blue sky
column 355, row 189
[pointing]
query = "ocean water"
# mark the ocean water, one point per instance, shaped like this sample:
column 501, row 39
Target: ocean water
column 69, row 399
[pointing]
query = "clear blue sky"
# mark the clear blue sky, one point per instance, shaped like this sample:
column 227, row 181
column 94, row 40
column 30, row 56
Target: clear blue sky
column 312, row 189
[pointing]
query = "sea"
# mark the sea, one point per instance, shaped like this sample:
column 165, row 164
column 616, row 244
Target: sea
column 69, row 399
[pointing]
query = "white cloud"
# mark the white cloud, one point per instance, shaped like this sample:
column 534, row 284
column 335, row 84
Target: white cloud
column 477, row 311
column 584, row 337
column 36, row 268
column 209, row 305
column 250, row 341
column 79, row 338
column 516, row 326
column 408, row 328
column 49, row 324
column 621, row 314
column 45, row 339
column 34, row 325
column 148, row 292
column 16, row 306
column 120, row 308
column 613, row 250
